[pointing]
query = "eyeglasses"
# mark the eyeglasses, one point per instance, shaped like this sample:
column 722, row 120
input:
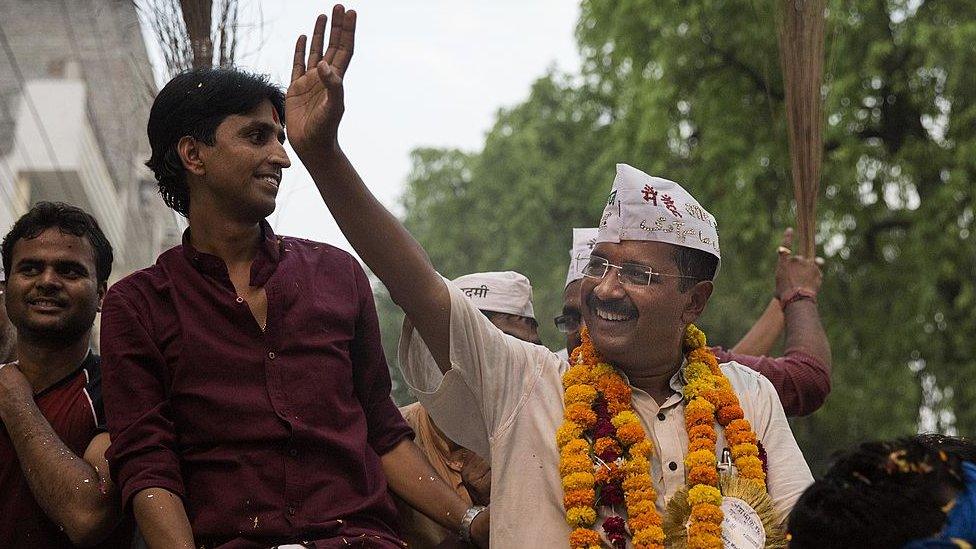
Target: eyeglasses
column 633, row 274
column 567, row 323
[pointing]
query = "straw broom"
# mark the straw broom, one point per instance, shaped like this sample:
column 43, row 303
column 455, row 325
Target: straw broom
column 801, row 55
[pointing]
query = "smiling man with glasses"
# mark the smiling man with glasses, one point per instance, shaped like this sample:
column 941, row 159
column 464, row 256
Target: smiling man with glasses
column 801, row 375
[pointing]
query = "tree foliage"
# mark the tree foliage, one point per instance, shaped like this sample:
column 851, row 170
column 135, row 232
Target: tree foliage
column 692, row 91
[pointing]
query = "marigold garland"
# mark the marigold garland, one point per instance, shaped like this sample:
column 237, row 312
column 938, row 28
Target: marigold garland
column 605, row 453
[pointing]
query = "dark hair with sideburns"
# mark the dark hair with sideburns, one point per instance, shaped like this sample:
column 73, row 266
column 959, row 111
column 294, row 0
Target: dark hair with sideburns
column 69, row 220
column 193, row 104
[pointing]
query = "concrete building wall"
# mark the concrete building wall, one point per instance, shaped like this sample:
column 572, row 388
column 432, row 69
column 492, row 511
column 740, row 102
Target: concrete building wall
column 98, row 45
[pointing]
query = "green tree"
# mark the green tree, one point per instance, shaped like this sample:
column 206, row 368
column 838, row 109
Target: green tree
column 692, row 91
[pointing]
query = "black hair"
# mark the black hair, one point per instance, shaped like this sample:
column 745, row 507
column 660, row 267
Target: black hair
column 883, row 494
column 193, row 104
column 491, row 315
column 69, row 220
column 698, row 264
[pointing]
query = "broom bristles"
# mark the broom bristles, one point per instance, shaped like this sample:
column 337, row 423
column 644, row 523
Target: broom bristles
column 801, row 54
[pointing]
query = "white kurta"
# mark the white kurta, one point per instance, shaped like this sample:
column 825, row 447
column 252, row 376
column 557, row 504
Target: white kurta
column 503, row 399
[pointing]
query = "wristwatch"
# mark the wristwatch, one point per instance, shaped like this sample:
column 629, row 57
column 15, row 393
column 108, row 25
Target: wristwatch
column 464, row 532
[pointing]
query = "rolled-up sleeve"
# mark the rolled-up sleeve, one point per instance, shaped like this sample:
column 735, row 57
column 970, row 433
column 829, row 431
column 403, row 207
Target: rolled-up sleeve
column 371, row 375
column 490, row 378
column 802, row 381
column 136, row 406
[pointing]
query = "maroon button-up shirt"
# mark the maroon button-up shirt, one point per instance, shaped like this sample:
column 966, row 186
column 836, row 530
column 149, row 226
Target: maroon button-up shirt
column 269, row 436
column 801, row 380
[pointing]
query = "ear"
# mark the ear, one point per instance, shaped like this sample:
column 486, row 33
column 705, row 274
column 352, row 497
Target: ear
column 189, row 150
column 102, row 288
column 697, row 299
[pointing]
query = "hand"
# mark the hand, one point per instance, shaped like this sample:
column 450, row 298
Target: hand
column 14, row 388
column 314, row 101
column 795, row 272
column 476, row 476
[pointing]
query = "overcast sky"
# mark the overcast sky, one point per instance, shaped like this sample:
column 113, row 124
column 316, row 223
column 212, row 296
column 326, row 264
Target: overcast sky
column 425, row 73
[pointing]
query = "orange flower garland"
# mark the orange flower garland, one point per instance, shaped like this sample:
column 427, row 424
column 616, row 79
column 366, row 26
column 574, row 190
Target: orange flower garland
column 709, row 398
column 597, row 454
column 591, row 385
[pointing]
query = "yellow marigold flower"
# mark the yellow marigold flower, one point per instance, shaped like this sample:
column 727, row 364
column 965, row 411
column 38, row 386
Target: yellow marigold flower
column 575, row 447
column 695, row 388
column 699, row 405
column 623, row 418
column 640, row 507
column 694, row 338
column 581, row 516
column 700, row 458
column 638, row 482
column 637, row 466
column 643, row 521
column 729, row 413
column 701, row 444
column 707, row 512
column 740, row 450
column 700, row 493
column 704, row 541
column 704, row 528
column 602, row 369
column 579, row 394
column 584, row 538
column 703, row 475
column 578, row 481
column 581, row 414
column 643, row 448
column 579, row 498
column 568, row 432
column 640, row 495
column 630, row 433
column 703, row 431
column 748, row 461
column 697, row 371
column 575, row 464
column 648, row 538
column 576, row 375
column 603, row 444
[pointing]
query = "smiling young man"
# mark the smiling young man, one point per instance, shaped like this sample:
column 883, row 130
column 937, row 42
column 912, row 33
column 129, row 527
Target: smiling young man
column 54, row 485
column 248, row 395
column 460, row 361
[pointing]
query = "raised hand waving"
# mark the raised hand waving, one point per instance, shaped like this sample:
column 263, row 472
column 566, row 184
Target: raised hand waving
column 314, row 101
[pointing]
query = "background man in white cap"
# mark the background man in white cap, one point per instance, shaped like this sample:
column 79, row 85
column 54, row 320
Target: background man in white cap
column 801, row 375
column 503, row 398
column 506, row 299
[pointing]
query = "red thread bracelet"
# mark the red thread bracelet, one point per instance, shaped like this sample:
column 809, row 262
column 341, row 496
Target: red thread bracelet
column 798, row 294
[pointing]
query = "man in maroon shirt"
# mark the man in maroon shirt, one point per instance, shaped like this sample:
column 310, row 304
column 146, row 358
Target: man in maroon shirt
column 53, row 474
column 8, row 336
column 247, row 393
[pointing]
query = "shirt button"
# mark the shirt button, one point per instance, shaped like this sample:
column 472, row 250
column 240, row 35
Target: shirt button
column 673, row 466
column 240, row 299
column 291, row 511
column 292, row 452
column 661, row 416
column 271, row 355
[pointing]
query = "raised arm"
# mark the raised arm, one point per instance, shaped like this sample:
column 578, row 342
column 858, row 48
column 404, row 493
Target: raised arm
column 75, row 491
column 313, row 108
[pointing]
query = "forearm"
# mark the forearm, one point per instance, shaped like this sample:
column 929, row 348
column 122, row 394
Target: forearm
column 411, row 477
column 759, row 340
column 385, row 246
column 162, row 519
column 70, row 490
column 804, row 331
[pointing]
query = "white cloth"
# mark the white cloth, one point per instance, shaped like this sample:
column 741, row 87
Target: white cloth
column 642, row 207
column 500, row 292
column 583, row 242
column 503, row 399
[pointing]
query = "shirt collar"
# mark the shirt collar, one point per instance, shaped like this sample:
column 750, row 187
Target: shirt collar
column 264, row 265
column 677, row 384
